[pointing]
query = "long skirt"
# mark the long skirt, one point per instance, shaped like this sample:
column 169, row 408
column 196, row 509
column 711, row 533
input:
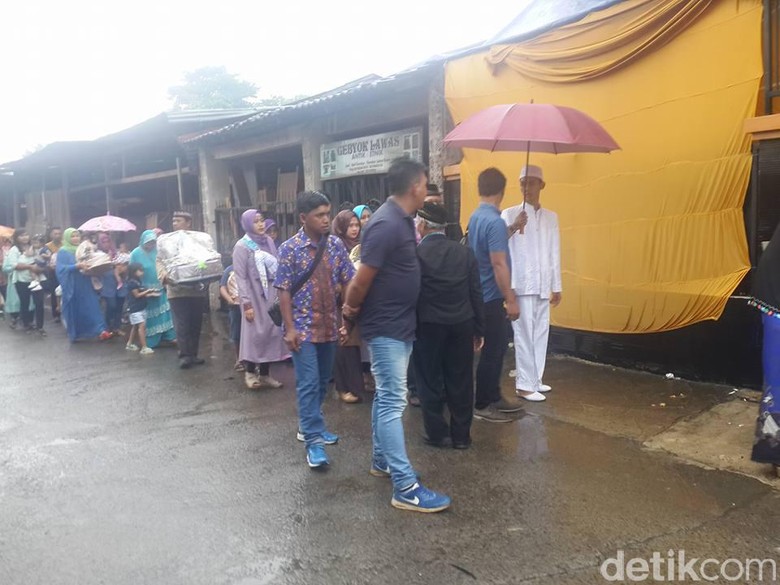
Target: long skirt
column 766, row 448
column 159, row 323
column 348, row 370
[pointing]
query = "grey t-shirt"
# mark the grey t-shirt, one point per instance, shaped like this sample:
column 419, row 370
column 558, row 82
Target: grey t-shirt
column 388, row 243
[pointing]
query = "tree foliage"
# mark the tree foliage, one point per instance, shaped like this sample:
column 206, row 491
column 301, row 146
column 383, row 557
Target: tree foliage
column 210, row 88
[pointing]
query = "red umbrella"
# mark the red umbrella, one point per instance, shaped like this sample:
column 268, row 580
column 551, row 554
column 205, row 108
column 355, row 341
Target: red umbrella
column 527, row 127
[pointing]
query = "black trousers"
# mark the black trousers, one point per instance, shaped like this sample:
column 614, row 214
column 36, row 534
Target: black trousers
column 113, row 312
column 491, row 361
column 24, row 292
column 187, row 321
column 444, row 362
column 347, row 369
column 50, row 285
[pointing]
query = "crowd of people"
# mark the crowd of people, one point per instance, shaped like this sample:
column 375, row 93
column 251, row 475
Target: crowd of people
column 381, row 299
column 391, row 300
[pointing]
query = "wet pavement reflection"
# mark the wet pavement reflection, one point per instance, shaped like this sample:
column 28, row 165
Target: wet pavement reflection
column 120, row 469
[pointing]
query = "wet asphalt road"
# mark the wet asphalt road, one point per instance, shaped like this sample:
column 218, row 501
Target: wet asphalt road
column 122, row 469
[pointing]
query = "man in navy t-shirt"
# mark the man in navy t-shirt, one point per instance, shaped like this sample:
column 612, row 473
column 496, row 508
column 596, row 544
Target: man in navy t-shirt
column 383, row 298
column 488, row 239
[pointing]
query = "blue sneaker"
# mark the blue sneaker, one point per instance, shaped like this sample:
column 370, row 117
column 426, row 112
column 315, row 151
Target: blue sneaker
column 418, row 498
column 382, row 469
column 316, row 456
column 327, row 438
column 379, row 469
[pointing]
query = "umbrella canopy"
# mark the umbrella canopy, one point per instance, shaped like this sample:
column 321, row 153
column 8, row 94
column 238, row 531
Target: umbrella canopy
column 532, row 127
column 107, row 223
column 6, row 232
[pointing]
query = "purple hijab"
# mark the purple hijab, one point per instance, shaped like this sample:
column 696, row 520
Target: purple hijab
column 247, row 224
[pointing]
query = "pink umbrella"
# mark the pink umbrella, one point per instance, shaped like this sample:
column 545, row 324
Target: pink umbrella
column 526, row 127
column 538, row 127
column 107, row 223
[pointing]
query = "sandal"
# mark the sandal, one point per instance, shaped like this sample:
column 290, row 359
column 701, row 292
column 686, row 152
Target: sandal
column 349, row 397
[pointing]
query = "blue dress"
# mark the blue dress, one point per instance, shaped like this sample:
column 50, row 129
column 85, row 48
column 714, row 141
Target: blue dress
column 80, row 305
column 159, row 323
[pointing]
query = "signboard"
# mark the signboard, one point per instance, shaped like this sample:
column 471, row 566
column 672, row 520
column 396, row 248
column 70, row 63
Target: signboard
column 369, row 155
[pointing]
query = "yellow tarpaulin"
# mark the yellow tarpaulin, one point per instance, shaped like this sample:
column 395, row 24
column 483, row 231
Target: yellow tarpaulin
column 653, row 235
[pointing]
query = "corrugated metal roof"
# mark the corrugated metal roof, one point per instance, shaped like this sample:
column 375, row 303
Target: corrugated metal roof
column 543, row 15
column 338, row 97
column 165, row 127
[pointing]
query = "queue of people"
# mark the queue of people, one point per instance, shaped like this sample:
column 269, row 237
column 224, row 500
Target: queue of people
column 390, row 285
column 89, row 305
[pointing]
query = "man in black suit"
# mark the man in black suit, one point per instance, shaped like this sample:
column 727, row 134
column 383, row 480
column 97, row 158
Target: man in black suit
column 450, row 321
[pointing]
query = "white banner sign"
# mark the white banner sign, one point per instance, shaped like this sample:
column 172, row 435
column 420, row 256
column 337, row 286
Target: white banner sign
column 369, row 155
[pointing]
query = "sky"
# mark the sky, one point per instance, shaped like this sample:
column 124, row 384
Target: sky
column 81, row 69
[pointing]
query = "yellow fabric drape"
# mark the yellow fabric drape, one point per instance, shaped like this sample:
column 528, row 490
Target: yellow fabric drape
column 653, row 235
column 601, row 42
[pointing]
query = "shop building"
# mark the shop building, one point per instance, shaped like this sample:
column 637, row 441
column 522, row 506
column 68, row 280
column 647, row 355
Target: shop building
column 340, row 142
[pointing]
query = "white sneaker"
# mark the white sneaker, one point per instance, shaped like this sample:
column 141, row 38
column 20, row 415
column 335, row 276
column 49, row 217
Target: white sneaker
column 131, row 347
column 146, row 351
column 533, row 397
column 544, row 388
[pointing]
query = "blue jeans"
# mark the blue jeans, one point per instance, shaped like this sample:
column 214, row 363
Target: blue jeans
column 389, row 362
column 313, row 367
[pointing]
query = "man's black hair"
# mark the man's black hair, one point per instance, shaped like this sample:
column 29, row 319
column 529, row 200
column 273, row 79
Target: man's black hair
column 51, row 229
column 491, row 182
column 308, row 201
column 346, row 206
column 403, row 173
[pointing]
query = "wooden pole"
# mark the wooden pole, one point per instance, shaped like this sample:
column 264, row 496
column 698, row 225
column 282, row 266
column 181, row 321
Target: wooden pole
column 65, row 197
column 179, row 182
column 43, row 197
column 16, row 203
column 107, row 187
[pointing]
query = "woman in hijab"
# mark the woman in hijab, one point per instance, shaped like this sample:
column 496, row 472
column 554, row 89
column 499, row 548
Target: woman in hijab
column 272, row 231
column 159, row 324
column 348, row 368
column 363, row 213
column 254, row 264
column 766, row 298
column 80, row 306
column 111, row 286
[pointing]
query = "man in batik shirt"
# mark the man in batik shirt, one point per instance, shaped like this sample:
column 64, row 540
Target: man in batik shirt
column 309, row 316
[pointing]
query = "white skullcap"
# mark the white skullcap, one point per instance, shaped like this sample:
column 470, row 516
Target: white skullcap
column 532, row 171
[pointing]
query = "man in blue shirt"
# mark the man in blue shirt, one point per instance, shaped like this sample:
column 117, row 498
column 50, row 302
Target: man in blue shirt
column 383, row 297
column 488, row 239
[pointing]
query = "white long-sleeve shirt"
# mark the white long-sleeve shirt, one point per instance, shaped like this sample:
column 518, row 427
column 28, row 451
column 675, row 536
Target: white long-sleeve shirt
column 535, row 254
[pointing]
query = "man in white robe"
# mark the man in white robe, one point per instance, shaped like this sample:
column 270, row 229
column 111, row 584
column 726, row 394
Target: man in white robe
column 535, row 253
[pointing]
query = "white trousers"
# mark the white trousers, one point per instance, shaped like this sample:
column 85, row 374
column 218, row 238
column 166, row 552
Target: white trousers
column 532, row 330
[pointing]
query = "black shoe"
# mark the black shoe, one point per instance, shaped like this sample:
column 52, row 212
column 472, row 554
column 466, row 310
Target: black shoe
column 461, row 445
column 185, row 363
column 440, row 443
column 196, row 361
column 42, row 332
